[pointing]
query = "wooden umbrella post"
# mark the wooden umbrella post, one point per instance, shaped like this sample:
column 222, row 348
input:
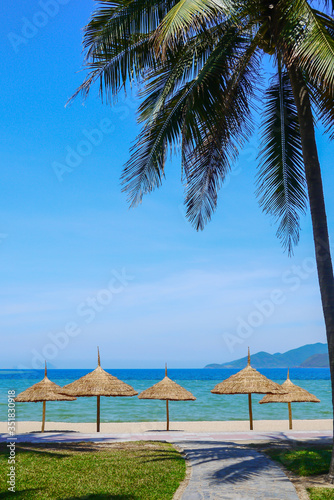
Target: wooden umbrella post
column 97, row 413
column 44, row 402
column 98, row 397
column 167, row 390
column 248, row 381
column 167, row 413
column 167, row 409
column 290, row 416
column 43, row 417
column 250, row 412
column 293, row 394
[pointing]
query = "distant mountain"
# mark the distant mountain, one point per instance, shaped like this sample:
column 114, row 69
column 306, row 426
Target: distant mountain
column 316, row 361
column 289, row 359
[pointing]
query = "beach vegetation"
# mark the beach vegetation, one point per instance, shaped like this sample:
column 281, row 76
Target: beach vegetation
column 321, row 493
column 199, row 68
column 304, row 461
column 307, row 462
column 132, row 470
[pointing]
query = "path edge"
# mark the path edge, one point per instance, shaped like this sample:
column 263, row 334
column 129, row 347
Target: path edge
column 183, row 485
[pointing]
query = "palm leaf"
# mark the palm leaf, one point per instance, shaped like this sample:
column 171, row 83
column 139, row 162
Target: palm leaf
column 185, row 16
column 307, row 42
column 114, row 21
column 145, row 169
column 321, row 96
column 115, row 70
column 323, row 102
column 207, row 164
column 117, row 43
column 147, row 161
column 181, row 66
column 281, row 185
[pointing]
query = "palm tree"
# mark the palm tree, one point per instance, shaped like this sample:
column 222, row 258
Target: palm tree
column 198, row 64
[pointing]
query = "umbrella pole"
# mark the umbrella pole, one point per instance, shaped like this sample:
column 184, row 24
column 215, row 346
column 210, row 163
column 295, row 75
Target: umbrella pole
column 250, row 412
column 290, row 416
column 97, row 413
column 43, row 417
column 167, row 413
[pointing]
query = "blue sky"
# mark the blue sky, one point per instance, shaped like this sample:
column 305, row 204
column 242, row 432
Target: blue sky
column 79, row 269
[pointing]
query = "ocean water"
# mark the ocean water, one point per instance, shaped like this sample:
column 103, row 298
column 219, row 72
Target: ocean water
column 207, row 406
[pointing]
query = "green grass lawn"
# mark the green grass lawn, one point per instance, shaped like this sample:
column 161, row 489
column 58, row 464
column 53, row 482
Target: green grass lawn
column 307, row 462
column 73, row 471
column 304, row 462
column 321, row 493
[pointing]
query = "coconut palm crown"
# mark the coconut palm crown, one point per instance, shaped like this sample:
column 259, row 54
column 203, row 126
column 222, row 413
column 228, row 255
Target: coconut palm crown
column 198, row 65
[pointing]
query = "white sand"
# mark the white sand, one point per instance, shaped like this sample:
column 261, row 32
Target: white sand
column 139, row 427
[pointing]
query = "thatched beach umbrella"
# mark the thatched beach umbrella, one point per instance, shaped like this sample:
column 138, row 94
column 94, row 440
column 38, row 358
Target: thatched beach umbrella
column 167, row 390
column 45, row 390
column 99, row 383
column 294, row 394
column 248, row 381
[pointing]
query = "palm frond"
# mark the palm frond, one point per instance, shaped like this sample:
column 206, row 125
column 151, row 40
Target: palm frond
column 207, row 172
column 115, row 70
column 308, row 41
column 281, row 185
column 185, row 16
column 147, row 162
column 321, row 96
column 180, row 67
column 117, row 43
column 326, row 20
column 114, row 21
column 207, row 164
column 323, row 104
column 145, row 169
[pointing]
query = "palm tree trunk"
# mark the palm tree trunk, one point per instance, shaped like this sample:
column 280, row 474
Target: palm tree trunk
column 318, row 214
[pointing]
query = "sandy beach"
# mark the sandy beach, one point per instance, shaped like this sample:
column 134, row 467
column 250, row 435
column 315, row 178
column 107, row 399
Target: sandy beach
column 139, row 427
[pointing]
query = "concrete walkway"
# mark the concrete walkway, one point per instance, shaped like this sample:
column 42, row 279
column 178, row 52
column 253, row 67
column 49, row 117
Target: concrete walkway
column 221, row 467
column 225, row 471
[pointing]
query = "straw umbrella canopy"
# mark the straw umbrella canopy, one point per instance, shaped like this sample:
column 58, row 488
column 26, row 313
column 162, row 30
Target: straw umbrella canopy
column 45, row 390
column 294, row 394
column 99, row 383
column 248, row 381
column 167, row 390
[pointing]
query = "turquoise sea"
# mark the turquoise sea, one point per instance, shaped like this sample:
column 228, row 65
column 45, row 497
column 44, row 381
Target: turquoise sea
column 199, row 381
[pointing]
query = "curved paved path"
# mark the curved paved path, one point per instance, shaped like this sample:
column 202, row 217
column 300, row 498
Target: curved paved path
column 227, row 471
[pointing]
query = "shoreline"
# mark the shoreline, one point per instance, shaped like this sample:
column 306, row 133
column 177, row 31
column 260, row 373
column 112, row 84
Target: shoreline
column 197, row 426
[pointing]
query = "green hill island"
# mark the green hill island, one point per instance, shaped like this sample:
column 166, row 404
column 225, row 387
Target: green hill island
column 307, row 356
